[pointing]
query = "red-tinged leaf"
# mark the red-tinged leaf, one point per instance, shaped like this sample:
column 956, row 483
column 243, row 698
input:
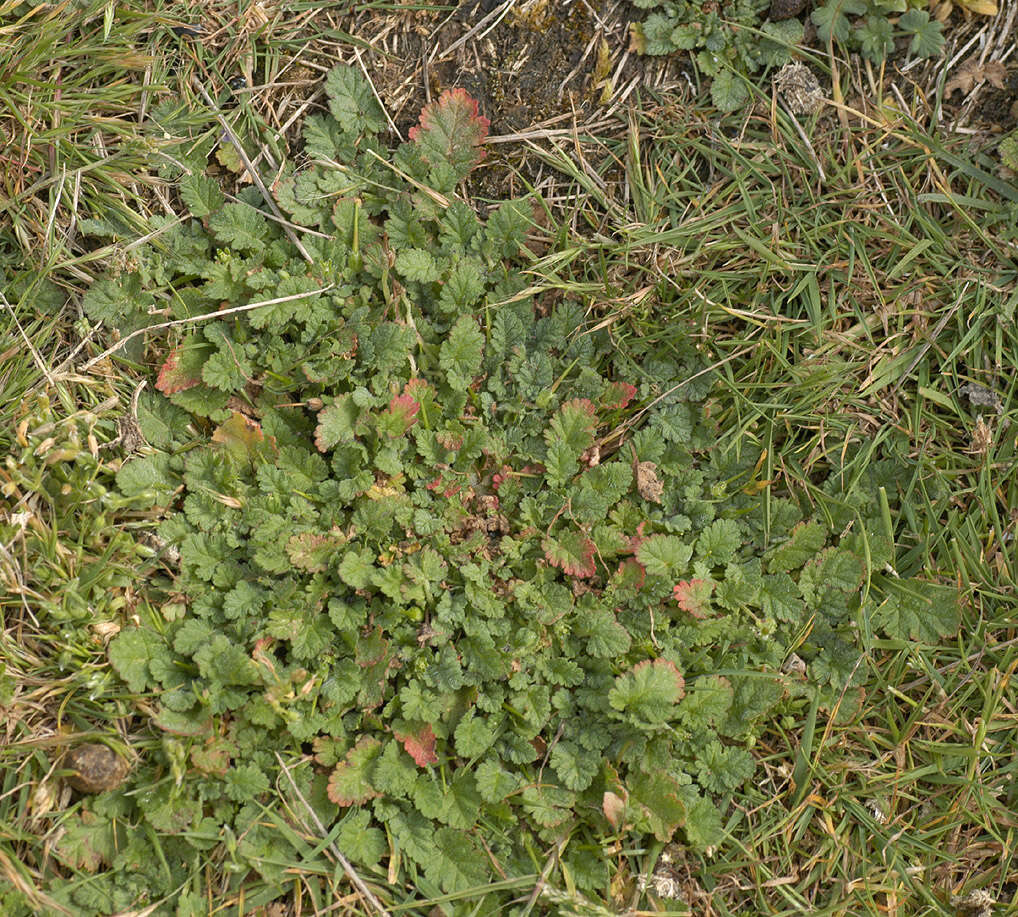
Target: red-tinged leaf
column 694, row 596
column 350, row 783
column 177, row 374
column 630, row 574
column 614, row 808
column 312, row 552
column 572, row 553
column 649, row 691
column 499, row 476
column 639, row 538
column 241, row 436
column 403, row 410
column 618, row 395
column 451, row 441
column 420, row 745
column 417, row 389
column 451, row 131
column 328, row 751
column 666, row 666
column 582, row 404
column 575, row 423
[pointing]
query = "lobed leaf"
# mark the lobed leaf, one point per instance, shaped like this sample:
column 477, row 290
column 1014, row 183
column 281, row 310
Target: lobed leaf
column 350, row 782
column 451, row 132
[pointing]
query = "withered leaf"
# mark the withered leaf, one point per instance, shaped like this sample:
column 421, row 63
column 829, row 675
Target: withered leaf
column 647, row 483
column 614, row 808
column 972, row 72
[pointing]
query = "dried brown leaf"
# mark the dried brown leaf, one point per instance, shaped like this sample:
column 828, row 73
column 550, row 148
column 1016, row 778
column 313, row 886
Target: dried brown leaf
column 614, row 808
column 647, row 483
column 972, row 72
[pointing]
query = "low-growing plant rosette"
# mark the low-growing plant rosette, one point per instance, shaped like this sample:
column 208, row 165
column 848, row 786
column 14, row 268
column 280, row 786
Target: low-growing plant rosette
column 424, row 561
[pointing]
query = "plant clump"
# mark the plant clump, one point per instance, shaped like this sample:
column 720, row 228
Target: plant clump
column 428, row 560
column 730, row 40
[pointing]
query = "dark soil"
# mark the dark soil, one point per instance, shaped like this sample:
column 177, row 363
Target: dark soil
column 529, row 69
column 545, row 64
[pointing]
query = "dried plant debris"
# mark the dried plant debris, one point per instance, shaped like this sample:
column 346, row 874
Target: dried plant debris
column 978, row 903
column 981, row 397
column 982, row 437
column 665, row 881
column 799, row 89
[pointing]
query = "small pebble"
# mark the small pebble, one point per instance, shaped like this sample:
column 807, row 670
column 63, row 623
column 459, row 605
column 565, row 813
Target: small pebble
column 97, row 768
column 785, row 9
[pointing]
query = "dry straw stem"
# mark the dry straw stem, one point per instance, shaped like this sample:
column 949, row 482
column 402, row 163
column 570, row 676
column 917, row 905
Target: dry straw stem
column 352, row 873
column 200, row 318
column 255, row 177
column 39, row 362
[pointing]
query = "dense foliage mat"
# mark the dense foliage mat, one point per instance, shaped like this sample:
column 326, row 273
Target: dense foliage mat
column 477, row 579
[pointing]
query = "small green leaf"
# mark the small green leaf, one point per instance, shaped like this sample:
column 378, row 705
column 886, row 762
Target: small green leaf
column 161, row 422
column 719, row 542
column 723, row 769
column 130, row 653
column 875, row 38
column 728, row 91
column 918, row 611
column 461, row 353
column 112, row 299
column 707, row 703
column 664, row 555
column 547, row 804
column 462, row 288
column 806, row 541
column 240, row 226
column 780, row 599
column 226, row 371
column 395, row 773
column 1008, row 151
column 575, row 766
column 833, row 570
column 351, row 101
column 927, row 34
column 148, row 475
column 201, row 194
column 475, row 735
column 649, row 691
column 494, row 783
column 573, row 425
column 359, row 841
column 831, row 19
column 350, row 783
column 660, row 800
column 336, row 423
column 605, row 636
column 245, row 783
column 419, row 265
column 457, row 863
